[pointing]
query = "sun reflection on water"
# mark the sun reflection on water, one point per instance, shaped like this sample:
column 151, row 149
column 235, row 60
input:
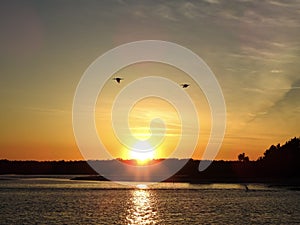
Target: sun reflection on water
column 142, row 207
column 142, row 186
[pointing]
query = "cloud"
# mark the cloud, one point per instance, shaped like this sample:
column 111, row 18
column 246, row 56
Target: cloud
column 288, row 4
column 164, row 11
column 213, row 1
column 189, row 10
column 47, row 110
column 276, row 71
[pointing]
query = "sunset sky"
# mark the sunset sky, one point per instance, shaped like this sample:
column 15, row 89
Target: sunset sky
column 253, row 48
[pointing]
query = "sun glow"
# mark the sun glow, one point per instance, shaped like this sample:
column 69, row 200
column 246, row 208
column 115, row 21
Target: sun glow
column 142, row 153
column 142, row 158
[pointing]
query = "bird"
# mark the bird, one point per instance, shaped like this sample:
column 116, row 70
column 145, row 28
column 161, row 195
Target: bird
column 118, row 79
column 184, row 85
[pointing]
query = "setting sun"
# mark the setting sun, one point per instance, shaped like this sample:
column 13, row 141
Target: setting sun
column 142, row 152
column 142, row 158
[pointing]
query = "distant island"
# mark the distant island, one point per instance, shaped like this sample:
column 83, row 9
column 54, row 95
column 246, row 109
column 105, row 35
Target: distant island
column 279, row 164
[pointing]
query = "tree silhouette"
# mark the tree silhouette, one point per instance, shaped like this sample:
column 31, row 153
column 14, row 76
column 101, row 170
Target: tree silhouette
column 243, row 158
column 290, row 151
column 279, row 163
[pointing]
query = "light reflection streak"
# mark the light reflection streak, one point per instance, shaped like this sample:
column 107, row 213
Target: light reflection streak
column 142, row 208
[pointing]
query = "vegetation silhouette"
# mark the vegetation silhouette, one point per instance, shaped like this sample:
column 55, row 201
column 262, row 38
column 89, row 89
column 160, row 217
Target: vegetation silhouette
column 243, row 158
column 278, row 164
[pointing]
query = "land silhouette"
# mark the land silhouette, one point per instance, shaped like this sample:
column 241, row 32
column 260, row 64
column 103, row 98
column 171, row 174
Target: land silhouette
column 279, row 164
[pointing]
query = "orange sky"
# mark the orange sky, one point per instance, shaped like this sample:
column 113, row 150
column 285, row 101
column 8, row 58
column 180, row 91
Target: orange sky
column 252, row 50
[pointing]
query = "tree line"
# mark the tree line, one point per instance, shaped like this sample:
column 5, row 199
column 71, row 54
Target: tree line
column 278, row 162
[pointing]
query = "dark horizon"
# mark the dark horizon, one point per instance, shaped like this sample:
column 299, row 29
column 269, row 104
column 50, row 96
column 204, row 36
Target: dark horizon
column 279, row 164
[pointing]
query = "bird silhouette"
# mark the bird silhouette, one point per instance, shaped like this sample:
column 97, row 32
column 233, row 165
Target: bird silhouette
column 184, row 85
column 118, row 79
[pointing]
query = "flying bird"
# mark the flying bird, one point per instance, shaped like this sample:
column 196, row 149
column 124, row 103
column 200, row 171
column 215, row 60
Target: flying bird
column 118, row 79
column 184, row 85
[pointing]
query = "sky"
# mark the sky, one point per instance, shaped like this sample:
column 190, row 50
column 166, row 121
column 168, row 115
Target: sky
column 252, row 47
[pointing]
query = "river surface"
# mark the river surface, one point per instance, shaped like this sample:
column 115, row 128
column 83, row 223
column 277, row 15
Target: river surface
column 58, row 200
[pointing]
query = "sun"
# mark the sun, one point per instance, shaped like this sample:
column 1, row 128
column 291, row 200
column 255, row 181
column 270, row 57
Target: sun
column 142, row 158
column 140, row 155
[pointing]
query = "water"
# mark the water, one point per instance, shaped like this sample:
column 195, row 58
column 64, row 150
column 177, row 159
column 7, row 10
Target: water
column 61, row 201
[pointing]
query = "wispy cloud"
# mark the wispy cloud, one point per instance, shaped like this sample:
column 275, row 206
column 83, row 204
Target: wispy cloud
column 47, row 110
column 213, row 1
column 189, row 10
column 166, row 12
column 276, row 71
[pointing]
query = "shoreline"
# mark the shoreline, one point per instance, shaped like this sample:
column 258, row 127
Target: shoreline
column 290, row 183
column 269, row 181
column 176, row 179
